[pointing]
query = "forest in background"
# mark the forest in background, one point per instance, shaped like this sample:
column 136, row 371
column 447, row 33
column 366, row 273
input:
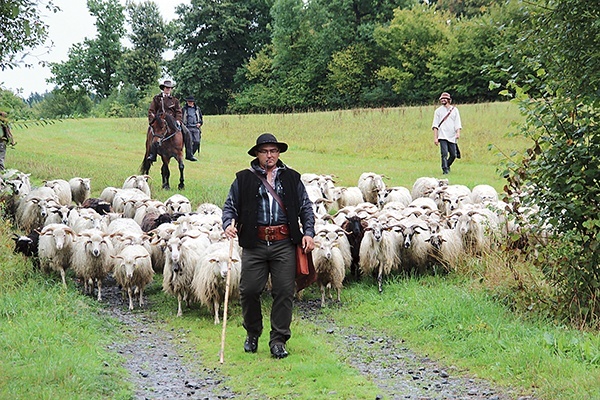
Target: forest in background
column 262, row 56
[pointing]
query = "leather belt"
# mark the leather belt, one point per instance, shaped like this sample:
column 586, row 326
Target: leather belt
column 273, row 233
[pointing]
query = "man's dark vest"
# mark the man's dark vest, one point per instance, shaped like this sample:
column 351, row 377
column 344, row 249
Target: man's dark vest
column 248, row 185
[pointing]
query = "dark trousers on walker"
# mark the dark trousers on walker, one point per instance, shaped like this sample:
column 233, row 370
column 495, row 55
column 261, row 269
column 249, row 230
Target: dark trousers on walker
column 279, row 260
column 448, row 151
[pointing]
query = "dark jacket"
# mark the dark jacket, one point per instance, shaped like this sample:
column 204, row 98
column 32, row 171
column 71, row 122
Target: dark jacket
column 167, row 104
column 242, row 205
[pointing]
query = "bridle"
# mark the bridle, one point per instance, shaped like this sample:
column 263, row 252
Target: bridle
column 162, row 137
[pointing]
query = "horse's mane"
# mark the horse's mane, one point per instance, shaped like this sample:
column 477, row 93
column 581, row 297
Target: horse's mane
column 171, row 123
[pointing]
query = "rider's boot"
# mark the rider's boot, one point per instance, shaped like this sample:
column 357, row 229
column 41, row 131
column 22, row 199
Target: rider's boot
column 153, row 150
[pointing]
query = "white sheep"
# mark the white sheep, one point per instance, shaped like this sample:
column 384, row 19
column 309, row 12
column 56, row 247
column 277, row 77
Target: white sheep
column 313, row 192
column 86, row 218
column 484, row 194
column 209, row 282
column 370, row 184
column 446, row 248
column 108, row 194
column 20, row 186
column 124, row 232
column 33, row 209
column 423, row 203
column 133, row 271
column 80, row 189
column 424, row 186
column 329, row 266
column 414, row 247
column 378, row 251
column 183, row 255
column 209, row 209
column 346, row 196
column 394, row 194
column 158, row 244
column 127, row 197
column 138, row 182
column 92, row 260
column 55, row 248
column 450, row 198
column 62, row 190
column 478, row 229
column 310, row 179
column 178, row 204
column 148, row 206
column 335, row 234
column 58, row 214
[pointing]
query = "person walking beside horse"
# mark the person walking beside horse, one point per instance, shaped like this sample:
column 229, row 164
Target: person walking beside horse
column 167, row 104
column 192, row 118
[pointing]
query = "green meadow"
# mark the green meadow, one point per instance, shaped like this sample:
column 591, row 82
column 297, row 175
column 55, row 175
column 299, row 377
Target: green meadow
column 54, row 342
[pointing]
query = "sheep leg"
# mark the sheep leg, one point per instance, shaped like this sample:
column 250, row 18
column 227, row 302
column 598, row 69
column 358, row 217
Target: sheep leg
column 380, row 278
column 179, row 312
column 99, row 290
column 62, row 275
column 216, row 307
column 322, row 295
column 141, row 297
column 339, row 292
column 130, row 298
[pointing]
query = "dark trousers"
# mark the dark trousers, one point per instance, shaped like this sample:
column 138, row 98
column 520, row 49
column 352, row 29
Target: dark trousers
column 279, row 260
column 448, row 151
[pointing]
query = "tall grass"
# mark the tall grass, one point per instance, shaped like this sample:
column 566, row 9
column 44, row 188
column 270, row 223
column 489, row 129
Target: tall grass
column 53, row 343
column 463, row 319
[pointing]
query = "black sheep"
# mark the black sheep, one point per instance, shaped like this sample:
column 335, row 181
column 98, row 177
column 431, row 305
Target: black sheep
column 355, row 230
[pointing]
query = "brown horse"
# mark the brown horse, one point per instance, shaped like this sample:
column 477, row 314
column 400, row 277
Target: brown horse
column 164, row 134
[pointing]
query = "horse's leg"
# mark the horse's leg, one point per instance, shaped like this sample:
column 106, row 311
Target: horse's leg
column 166, row 174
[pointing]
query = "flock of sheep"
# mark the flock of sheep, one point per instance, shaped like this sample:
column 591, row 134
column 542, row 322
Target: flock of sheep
column 125, row 233
column 369, row 229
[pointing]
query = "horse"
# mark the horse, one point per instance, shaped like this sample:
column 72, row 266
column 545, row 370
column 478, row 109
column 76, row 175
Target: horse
column 164, row 133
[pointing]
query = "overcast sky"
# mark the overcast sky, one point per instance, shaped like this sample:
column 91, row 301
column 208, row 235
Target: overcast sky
column 69, row 26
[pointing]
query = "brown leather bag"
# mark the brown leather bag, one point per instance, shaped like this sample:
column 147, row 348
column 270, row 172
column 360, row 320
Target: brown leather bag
column 305, row 269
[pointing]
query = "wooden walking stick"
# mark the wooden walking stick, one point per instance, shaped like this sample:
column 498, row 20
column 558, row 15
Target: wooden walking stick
column 227, row 282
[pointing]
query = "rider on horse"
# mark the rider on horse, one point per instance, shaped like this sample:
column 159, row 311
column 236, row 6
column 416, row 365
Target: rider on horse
column 167, row 104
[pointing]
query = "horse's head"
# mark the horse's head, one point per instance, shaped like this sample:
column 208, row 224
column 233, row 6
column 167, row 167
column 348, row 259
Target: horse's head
column 158, row 124
column 171, row 123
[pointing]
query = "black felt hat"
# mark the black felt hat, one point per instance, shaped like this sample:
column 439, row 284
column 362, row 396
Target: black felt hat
column 267, row 138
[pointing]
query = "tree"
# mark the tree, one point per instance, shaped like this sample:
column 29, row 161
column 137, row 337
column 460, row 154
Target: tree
column 560, row 100
column 21, row 28
column 141, row 66
column 92, row 65
column 212, row 40
column 413, row 40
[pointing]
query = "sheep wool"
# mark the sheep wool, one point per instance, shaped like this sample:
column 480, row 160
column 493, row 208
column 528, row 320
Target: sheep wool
column 92, row 259
column 209, row 281
column 133, row 271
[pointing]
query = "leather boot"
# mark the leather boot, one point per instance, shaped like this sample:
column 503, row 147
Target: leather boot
column 153, row 150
